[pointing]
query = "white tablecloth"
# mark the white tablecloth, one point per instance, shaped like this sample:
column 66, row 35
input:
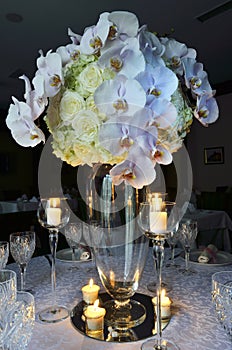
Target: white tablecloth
column 213, row 223
column 193, row 324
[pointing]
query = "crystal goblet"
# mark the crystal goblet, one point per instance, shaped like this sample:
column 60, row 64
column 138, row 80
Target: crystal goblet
column 156, row 223
column 19, row 323
column 53, row 214
column 22, row 247
column 8, row 290
column 222, row 298
column 73, row 233
column 4, row 254
column 187, row 236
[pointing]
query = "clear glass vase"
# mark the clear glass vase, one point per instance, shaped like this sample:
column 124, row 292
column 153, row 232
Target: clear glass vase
column 119, row 247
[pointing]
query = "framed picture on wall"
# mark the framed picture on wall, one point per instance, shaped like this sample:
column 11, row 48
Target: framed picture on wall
column 214, row 155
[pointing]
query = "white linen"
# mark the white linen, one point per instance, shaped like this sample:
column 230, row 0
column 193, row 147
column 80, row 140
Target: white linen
column 193, row 320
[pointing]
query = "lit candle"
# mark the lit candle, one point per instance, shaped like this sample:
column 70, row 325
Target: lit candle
column 156, row 203
column 90, row 292
column 94, row 320
column 158, row 221
column 165, row 305
column 53, row 212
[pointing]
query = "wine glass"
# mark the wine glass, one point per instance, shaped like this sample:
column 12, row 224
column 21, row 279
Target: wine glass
column 22, row 247
column 73, row 233
column 4, row 254
column 172, row 239
column 53, row 214
column 155, row 224
column 187, row 235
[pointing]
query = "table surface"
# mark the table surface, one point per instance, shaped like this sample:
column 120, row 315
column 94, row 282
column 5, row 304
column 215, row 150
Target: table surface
column 193, row 324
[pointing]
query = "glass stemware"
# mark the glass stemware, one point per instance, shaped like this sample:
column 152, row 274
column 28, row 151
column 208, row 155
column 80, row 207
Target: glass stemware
column 120, row 259
column 22, row 247
column 156, row 222
column 187, row 235
column 156, row 199
column 172, row 239
column 73, row 233
column 221, row 298
column 53, row 214
column 4, row 254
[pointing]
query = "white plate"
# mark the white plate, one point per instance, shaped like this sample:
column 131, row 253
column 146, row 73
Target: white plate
column 222, row 258
column 65, row 255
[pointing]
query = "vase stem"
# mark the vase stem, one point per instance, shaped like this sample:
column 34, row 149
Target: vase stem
column 158, row 253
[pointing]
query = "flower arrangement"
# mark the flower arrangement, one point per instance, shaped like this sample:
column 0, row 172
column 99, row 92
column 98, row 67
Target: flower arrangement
column 117, row 94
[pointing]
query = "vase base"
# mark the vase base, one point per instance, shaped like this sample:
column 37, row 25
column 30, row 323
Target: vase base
column 54, row 314
column 128, row 316
column 155, row 344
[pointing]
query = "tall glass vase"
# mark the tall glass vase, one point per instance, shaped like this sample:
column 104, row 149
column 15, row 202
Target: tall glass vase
column 119, row 248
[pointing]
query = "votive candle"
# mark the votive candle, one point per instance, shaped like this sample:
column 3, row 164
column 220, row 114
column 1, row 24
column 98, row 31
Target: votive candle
column 90, row 292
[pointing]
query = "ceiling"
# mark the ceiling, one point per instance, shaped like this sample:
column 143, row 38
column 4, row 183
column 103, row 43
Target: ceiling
column 44, row 26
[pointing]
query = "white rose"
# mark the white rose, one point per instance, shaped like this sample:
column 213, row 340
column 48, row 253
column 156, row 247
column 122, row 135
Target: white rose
column 90, row 78
column 86, row 124
column 70, row 104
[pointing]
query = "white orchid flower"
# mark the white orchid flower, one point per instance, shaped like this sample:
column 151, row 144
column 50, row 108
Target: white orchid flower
column 120, row 96
column 164, row 112
column 159, row 81
column 207, row 111
column 50, row 67
column 68, row 53
column 175, row 51
column 94, row 37
column 124, row 58
column 20, row 121
column 35, row 98
column 125, row 24
column 137, row 170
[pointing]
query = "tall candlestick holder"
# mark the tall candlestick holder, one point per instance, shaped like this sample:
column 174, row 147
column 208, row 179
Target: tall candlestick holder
column 53, row 214
column 156, row 221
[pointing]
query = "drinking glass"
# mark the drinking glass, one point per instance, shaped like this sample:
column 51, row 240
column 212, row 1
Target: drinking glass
column 22, row 247
column 73, row 233
column 19, row 323
column 222, row 298
column 156, row 223
column 8, row 290
column 53, row 214
column 4, row 254
column 187, row 235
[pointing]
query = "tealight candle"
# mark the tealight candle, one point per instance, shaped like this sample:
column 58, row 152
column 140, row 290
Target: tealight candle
column 165, row 305
column 53, row 212
column 94, row 319
column 90, row 292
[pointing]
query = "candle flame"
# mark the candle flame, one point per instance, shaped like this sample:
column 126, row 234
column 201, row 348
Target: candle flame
column 54, row 202
column 96, row 303
column 91, row 282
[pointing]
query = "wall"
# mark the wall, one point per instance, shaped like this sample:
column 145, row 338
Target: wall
column 208, row 177
column 16, row 171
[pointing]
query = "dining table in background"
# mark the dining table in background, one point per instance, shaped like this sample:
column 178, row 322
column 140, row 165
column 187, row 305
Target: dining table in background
column 193, row 324
column 214, row 227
